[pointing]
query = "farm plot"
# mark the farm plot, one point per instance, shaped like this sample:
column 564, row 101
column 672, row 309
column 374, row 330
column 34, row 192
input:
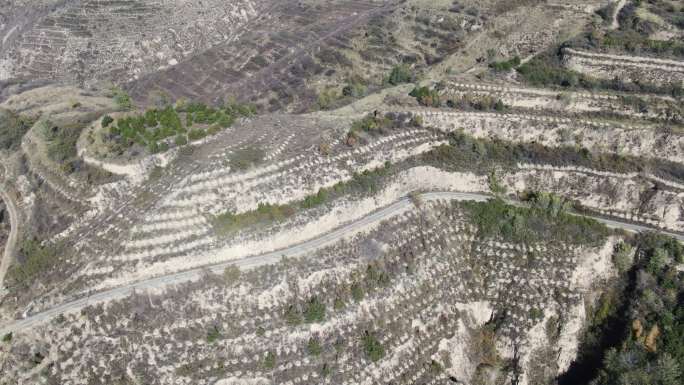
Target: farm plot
column 86, row 42
column 179, row 223
column 635, row 69
column 600, row 136
column 614, row 104
column 352, row 313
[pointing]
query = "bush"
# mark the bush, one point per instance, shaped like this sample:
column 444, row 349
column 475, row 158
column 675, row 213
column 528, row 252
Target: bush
column 196, row 134
column 269, row 360
column 122, row 99
column 315, row 200
column 372, row 347
column 314, row 310
column 37, row 258
column 180, row 140
column 7, row 337
column 400, row 74
column 374, row 124
column 106, row 121
column 314, row 347
column 426, row 97
column 622, row 256
column 292, row 316
column 12, row 129
column 506, row 65
column 357, row 292
column 213, row 334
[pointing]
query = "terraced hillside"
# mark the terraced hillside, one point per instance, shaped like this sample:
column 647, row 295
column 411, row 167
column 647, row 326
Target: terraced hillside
column 341, row 192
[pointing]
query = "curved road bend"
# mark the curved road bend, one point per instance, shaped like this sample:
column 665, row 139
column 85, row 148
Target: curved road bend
column 271, row 257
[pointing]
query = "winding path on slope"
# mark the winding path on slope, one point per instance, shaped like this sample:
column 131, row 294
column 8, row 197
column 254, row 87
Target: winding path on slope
column 11, row 240
column 616, row 13
column 273, row 257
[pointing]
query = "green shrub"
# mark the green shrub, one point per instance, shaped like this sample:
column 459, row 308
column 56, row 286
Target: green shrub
column 372, row 347
column 37, row 258
column 12, row 129
column 7, row 337
column 426, row 96
column 357, row 292
column 536, row 313
column 180, row 140
column 292, row 316
column 354, row 89
column 260, row 331
column 269, row 360
column 400, row 74
column 196, row 134
column 314, row 310
column 506, row 65
column 213, row 334
column 314, row 347
column 315, row 200
column 622, row 256
column 106, row 121
column 122, row 99
column 374, row 124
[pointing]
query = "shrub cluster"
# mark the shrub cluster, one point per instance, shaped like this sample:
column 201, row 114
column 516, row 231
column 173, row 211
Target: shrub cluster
column 154, row 128
column 506, row 65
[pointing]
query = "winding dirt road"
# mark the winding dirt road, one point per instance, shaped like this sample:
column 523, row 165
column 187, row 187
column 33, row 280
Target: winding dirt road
column 8, row 255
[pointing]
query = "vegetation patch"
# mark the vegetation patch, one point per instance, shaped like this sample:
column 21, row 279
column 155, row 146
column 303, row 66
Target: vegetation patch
column 637, row 329
column 372, row 347
column 546, row 70
column 465, row 152
column 477, row 103
column 505, row 65
column 155, row 128
column 426, row 96
column 34, row 260
column 544, row 220
column 12, row 129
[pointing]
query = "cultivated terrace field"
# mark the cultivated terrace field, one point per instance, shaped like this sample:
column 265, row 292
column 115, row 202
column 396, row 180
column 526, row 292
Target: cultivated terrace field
column 342, row 192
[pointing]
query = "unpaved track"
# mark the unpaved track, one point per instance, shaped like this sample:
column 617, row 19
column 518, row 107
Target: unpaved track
column 616, row 23
column 8, row 255
column 272, row 257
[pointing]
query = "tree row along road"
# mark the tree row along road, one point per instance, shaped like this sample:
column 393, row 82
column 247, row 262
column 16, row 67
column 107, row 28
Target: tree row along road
column 272, row 257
